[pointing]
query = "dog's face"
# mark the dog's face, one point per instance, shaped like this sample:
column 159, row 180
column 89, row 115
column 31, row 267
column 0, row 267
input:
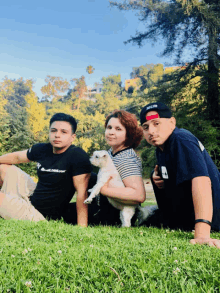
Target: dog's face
column 99, row 158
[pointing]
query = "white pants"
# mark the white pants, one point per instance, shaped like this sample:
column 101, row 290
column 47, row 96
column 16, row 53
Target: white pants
column 17, row 187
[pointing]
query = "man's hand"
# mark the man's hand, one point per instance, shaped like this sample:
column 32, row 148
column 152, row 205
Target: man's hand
column 208, row 241
column 159, row 182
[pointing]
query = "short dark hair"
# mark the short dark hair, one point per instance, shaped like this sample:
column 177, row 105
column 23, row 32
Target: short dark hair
column 66, row 118
column 134, row 133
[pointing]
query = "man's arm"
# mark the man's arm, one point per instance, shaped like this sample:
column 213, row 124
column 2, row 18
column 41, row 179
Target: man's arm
column 14, row 158
column 203, row 207
column 81, row 184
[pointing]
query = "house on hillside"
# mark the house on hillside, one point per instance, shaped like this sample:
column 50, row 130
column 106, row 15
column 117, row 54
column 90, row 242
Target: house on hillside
column 97, row 89
column 92, row 91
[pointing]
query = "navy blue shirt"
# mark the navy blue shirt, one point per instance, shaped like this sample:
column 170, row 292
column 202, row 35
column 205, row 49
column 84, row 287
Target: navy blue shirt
column 55, row 172
column 184, row 158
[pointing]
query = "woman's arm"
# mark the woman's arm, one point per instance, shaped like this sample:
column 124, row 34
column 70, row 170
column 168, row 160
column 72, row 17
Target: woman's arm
column 133, row 193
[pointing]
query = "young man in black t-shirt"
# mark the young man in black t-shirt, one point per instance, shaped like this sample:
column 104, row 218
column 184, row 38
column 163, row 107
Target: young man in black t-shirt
column 62, row 169
column 186, row 182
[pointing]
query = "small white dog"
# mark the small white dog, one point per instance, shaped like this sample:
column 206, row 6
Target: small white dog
column 107, row 169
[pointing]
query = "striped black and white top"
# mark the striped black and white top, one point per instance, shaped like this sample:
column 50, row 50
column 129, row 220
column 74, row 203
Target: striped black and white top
column 127, row 163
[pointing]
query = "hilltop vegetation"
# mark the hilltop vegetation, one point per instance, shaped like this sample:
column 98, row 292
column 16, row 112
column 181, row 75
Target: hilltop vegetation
column 25, row 118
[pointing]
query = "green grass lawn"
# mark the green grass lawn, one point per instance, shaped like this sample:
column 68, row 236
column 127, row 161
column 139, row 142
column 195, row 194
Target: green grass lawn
column 56, row 257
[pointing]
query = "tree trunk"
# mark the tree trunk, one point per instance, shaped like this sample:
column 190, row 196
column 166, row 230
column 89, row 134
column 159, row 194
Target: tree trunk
column 78, row 104
column 213, row 77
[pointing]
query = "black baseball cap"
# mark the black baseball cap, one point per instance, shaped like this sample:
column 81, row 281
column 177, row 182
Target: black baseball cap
column 160, row 108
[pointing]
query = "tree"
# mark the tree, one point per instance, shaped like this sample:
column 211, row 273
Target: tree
column 141, row 70
column 90, row 69
column 4, row 121
column 185, row 96
column 184, row 24
column 36, row 117
column 55, row 86
column 80, row 88
column 14, row 91
column 112, row 84
column 148, row 74
column 19, row 133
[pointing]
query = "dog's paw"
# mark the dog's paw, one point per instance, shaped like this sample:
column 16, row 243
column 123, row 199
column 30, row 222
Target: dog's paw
column 144, row 213
column 126, row 225
column 90, row 190
column 88, row 201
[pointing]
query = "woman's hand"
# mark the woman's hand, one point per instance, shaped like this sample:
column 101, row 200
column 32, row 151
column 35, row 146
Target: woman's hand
column 105, row 187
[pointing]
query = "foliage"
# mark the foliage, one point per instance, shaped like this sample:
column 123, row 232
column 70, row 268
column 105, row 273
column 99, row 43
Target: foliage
column 54, row 87
column 150, row 89
column 90, row 131
column 148, row 74
column 141, row 70
column 90, row 69
column 186, row 96
column 79, row 88
column 13, row 93
column 182, row 24
column 36, row 116
column 181, row 88
column 15, row 131
column 4, row 124
column 148, row 158
column 112, row 84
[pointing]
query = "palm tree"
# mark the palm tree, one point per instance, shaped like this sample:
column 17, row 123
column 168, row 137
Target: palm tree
column 90, row 69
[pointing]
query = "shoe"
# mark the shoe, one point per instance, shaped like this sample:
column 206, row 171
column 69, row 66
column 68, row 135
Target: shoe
column 145, row 212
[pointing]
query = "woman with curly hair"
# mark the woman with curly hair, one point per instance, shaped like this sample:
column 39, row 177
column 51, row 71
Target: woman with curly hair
column 123, row 135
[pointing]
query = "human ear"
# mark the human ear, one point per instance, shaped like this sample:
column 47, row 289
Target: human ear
column 172, row 123
column 73, row 137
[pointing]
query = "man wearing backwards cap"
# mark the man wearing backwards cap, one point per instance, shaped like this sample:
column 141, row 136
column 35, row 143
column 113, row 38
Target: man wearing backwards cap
column 186, row 182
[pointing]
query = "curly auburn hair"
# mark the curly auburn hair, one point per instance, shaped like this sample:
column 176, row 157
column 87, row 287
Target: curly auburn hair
column 134, row 133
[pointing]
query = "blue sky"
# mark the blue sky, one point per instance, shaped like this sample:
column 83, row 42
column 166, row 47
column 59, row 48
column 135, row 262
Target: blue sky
column 61, row 38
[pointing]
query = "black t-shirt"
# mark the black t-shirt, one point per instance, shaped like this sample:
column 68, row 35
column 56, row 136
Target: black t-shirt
column 184, row 158
column 55, row 187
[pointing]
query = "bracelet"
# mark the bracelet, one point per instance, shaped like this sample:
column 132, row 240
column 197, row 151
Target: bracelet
column 203, row 221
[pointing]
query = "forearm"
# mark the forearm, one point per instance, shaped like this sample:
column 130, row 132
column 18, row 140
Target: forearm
column 82, row 210
column 9, row 159
column 14, row 158
column 126, row 195
column 202, row 201
column 80, row 183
